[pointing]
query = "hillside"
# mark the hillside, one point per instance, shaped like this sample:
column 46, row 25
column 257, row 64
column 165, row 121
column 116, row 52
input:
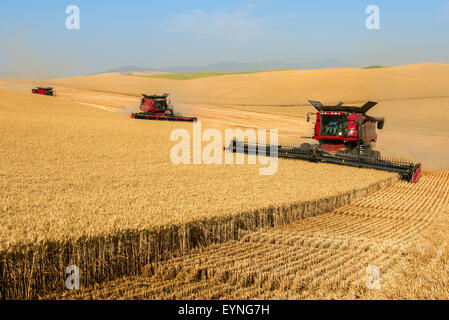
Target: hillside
column 414, row 100
column 291, row 87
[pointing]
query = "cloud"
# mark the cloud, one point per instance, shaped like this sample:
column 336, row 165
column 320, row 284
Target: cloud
column 236, row 26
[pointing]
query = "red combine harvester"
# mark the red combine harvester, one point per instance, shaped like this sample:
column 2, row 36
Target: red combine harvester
column 345, row 135
column 43, row 91
column 158, row 107
column 345, row 128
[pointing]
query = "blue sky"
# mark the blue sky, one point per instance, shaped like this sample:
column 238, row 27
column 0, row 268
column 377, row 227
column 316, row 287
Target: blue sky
column 181, row 32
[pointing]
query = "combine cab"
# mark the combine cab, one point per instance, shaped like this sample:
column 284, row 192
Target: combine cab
column 155, row 107
column 43, row 91
column 345, row 135
column 346, row 128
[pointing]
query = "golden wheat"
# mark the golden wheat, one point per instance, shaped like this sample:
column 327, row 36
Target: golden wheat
column 319, row 257
column 96, row 189
column 81, row 186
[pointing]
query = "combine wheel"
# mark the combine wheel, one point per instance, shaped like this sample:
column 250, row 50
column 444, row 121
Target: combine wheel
column 305, row 148
column 353, row 152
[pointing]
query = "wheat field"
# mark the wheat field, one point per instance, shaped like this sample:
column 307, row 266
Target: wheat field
column 401, row 229
column 287, row 87
column 82, row 185
column 412, row 98
column 97, row 189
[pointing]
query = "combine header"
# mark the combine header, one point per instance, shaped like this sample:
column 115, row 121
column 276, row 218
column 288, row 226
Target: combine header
column 43, row 91
column 155, row 107
column 345, row 135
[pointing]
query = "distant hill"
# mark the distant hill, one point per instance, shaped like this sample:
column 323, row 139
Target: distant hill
column 325, row 63
column 16, row 75
column 232, row 66
column 127, row 68
column 375, row 66
column 197, row 75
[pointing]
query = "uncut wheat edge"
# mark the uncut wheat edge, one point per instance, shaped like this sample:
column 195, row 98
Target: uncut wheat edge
column 28, row 270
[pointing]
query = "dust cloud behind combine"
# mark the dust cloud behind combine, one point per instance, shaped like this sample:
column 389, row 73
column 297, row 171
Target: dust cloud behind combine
column 24, row 60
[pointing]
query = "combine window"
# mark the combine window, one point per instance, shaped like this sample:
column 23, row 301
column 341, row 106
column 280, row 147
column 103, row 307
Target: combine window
column 333, row 126
column 159, row 104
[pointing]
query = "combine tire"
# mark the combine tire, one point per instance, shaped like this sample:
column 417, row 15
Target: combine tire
column 305, row 148
column 347, row 152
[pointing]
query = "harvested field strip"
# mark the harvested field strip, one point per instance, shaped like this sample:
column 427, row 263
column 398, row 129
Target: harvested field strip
column 435, row 194
column 351, row 276
column 28, row 270
column 330, row 242
column 325, row 256
column 342, row 228
column 387, row 213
